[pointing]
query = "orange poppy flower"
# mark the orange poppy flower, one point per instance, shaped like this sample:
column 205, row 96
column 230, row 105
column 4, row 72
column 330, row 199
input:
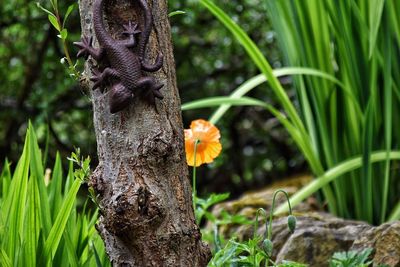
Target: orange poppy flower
column 208, row 146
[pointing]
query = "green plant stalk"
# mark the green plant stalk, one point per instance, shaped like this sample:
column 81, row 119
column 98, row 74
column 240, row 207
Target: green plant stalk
column 67, row 54
column 217, row 242
column 65, row 47
column 388, row 121
column 256, row 221
column 194, row 193
column 395, row 215
column 269, row 236
column 60, row 27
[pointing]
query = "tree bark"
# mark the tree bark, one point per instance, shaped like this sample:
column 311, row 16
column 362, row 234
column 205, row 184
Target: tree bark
column 141, row 181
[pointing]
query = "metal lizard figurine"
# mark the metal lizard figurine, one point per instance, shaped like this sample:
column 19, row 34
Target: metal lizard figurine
column 125, row 67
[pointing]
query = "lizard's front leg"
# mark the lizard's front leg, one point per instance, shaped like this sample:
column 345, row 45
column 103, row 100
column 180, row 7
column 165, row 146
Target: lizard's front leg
column 99, row 77
column 86, row 48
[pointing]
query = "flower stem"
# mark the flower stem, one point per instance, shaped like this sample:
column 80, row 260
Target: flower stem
column 194, row 192
column 272, row 210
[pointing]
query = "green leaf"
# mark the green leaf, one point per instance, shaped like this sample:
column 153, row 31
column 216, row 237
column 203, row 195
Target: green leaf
column 53, row 20
column 217, row 101
column 253, row 82
column 71, row 250
column 55, row 188
column 177, row 12
column 15, row 202
column 96, row 255
column 5, row 179
column 375, row 15
column 225, row 255
column 53, row 240
column 44, row 9
column 395, row 214
column 33, row 223
column 36, row 166
column 70, row 177
column 63, row 34
column 4, row 259
column 54, row 4
column 69, row 11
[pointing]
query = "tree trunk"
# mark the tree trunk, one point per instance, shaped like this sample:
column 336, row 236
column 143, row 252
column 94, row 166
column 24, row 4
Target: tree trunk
column 141, row 181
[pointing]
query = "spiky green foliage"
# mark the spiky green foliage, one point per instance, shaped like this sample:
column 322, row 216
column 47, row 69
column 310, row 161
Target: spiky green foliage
column 346, row 57
column 39, row 221
column 358, row 43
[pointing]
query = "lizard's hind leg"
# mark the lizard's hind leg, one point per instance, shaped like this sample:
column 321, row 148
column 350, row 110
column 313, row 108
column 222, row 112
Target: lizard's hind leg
column 150, row 90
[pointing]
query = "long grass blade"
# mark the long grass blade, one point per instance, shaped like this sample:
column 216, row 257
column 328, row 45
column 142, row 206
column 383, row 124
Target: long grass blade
column 388, row 118
column 375, row 15
column 32, row 224
column 331, row 174
column 15, row 202
column 258, row 58
column 395, row 214
column 217, row 101
column 5, row 261
column 36, row 166
column 56, row 232
column 55, row 188
column 5, row 179
column 255, row 81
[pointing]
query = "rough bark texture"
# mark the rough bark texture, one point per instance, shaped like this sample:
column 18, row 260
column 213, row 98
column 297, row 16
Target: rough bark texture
column 142, row 177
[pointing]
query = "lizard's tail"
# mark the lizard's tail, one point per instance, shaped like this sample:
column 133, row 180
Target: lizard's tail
column 101, row 33
column 148, row 25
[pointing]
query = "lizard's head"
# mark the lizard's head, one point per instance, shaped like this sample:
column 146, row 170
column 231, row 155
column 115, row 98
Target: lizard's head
column 120, row 97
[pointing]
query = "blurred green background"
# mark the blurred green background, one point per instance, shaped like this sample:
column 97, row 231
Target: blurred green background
column 34, row 85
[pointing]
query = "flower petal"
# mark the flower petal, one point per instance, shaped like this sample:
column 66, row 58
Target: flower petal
column 208, row 147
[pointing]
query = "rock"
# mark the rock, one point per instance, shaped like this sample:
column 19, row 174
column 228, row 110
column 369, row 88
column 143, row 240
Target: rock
column 385, row 239
column 317, row 237
column 250, row 202
column 315, row 240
